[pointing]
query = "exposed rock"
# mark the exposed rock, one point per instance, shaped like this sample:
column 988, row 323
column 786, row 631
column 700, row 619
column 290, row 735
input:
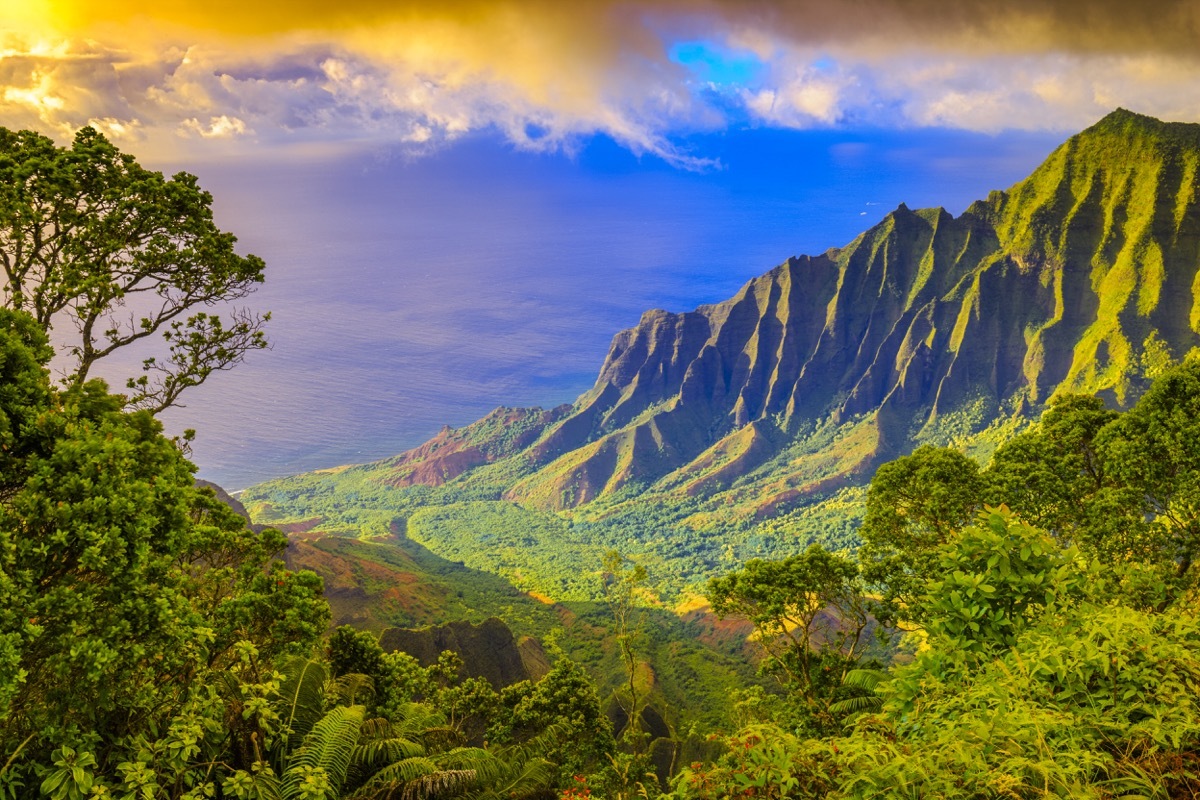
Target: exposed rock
column 533, row 657
column 454, row 451
column 488, row 650
column 653, row 722
column 229, row 500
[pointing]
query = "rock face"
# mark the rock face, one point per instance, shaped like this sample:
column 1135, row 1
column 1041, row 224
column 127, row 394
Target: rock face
column 1060, row 283
column 229, row 500
column 488, row 650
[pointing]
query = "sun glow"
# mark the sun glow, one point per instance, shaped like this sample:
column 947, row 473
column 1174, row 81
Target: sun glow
column 25, row 14
column 417, row 74
column 39, row 97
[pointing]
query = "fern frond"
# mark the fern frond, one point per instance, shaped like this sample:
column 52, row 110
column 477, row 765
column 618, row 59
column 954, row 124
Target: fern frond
column 328, row 746
column 352, row 689
column 379, row 752
column 526, row 780
column 438, row 784
column 484, row 764
column 416, row 778
column 412, row 719
column 302, row 692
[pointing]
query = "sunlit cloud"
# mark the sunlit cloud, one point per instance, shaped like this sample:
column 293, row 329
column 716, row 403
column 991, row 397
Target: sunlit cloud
column 546, row 76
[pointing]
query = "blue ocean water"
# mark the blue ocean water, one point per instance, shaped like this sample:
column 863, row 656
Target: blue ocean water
column 408, row 294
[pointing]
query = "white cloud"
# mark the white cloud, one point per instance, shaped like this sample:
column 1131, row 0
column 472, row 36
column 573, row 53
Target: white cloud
column 222, row 127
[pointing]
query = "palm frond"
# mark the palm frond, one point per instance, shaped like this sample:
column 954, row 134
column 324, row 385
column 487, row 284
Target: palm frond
column 866, row 680
column 856, row 705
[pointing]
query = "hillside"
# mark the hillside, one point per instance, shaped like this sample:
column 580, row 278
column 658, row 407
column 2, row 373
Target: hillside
column 748, row 427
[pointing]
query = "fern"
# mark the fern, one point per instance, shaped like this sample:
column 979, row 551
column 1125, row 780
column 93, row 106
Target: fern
column 418, row 777
column 379, row 743
column 379, row 746
column 507, row 772
column 329, row 746
column 351, row 689
column 303, row 696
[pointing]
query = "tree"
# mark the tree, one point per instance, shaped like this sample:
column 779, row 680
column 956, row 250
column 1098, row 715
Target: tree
column 995, row 578
column 1048, row 473
column 1154, row 449
column 915, row 504
column 809, row 614
column 622, row 582
column 1056, row 476
column 108, row 254
column 127, row 590
column 564, row 701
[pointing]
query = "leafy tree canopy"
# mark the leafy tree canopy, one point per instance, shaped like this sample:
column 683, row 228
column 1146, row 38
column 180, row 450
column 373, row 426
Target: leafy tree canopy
column 127, row 591
column 106, row 254
column 914, row 505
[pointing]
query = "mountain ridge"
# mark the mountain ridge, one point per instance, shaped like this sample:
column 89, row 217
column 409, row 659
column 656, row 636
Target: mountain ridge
column 919, row 315
column 705, row 425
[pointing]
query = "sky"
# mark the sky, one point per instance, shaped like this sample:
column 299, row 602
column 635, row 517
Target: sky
column 460, row 202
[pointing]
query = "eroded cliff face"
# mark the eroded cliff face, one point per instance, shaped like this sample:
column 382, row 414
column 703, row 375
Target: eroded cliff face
column 1056, row 284
column 488, row 650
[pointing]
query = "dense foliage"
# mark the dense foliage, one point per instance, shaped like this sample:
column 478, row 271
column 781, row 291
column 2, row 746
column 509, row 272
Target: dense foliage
column 1054, row 600
column 153, row 646
column 93, row 244
column 129, row 593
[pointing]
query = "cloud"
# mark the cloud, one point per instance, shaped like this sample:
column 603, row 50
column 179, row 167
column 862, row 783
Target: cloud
column 223, row 75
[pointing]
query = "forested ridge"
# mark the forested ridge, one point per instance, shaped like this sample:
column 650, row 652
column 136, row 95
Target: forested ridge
column 1026, row 627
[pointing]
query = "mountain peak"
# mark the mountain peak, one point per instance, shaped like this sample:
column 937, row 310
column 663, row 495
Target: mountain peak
column 1125, row 125
column 1123, row 116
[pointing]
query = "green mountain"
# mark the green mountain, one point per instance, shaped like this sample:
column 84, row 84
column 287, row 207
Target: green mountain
column 749, row 427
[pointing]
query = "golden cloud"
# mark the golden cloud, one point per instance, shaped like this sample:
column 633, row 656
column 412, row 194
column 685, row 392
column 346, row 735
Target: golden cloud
column 544, row 73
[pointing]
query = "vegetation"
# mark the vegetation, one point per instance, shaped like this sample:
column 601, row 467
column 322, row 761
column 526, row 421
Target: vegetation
column 1039, row 634
column 139, row 611
column 153, row 646
column 109, row 254
column 1055, row 661
column 809, row 613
